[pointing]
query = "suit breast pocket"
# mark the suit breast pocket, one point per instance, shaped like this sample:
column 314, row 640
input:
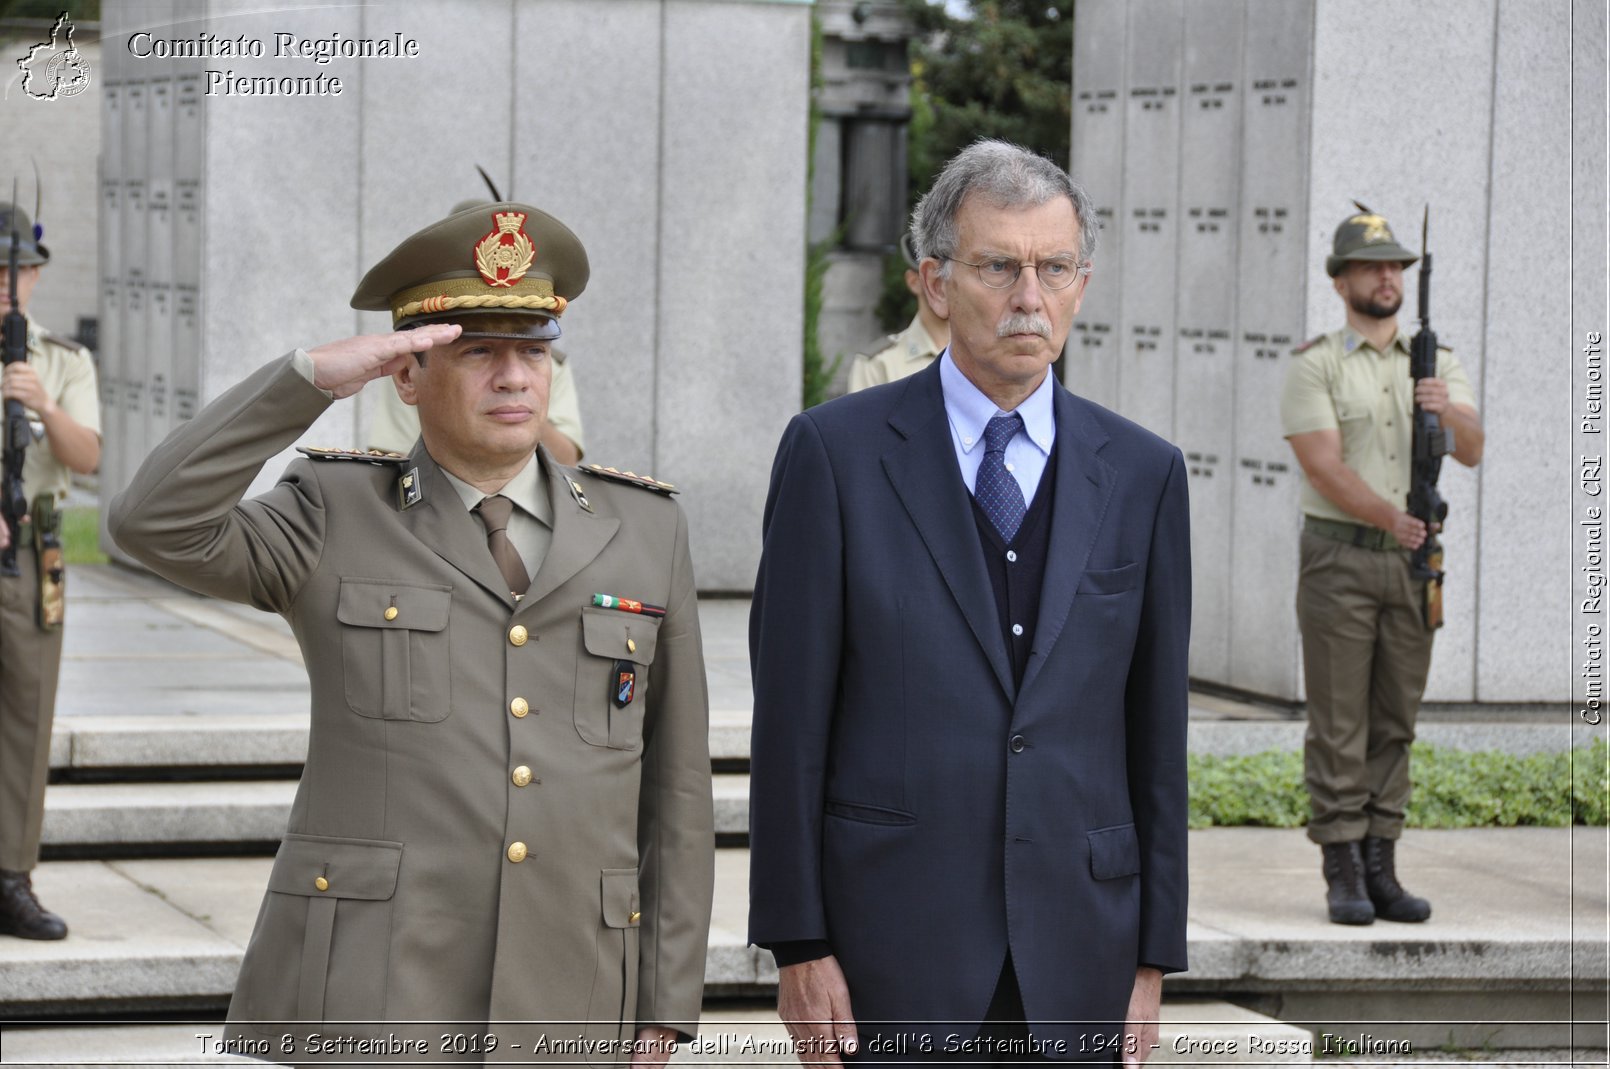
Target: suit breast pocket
column 394, row 649
column 617, row 649
column 1107, row 581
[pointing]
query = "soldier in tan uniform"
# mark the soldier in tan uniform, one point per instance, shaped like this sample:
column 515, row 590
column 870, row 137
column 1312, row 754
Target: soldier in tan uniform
column 505, row 816
column 1347, row 411
column 912, row 349
column 57, row 386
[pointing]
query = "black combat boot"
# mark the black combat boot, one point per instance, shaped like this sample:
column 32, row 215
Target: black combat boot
column 1391, row 901
column 21, row 914
column 1344, row 884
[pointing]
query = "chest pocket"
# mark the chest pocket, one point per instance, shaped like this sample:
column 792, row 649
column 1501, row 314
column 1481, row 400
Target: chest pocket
column 1355, row 418
column 394, row 649
column 616, row 651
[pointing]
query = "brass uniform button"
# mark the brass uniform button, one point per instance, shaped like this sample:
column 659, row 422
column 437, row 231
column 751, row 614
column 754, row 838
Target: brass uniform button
column 391, row 612
column 521, row 776
column 519, row 708
column 634, row 918
column 322, row 884
column 518, row 634
column 517, row 852
column 631, row 646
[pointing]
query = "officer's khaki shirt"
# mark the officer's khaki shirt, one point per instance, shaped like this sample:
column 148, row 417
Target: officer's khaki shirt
column 394, row 426
column 1341, row 382
column 67, row 375
column 906, row 354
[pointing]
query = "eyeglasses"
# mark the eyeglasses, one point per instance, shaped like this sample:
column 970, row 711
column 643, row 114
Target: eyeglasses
column 1057, row 273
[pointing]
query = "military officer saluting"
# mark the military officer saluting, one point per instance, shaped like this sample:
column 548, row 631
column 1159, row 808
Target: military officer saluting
column 505, row 814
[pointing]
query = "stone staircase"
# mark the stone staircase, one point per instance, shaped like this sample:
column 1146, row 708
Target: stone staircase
column 173, row 776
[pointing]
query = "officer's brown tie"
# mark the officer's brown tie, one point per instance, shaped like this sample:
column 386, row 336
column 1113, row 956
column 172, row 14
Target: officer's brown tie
column 494, row 513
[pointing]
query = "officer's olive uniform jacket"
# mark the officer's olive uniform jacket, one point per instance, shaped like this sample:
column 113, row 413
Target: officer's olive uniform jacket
column 406, row 807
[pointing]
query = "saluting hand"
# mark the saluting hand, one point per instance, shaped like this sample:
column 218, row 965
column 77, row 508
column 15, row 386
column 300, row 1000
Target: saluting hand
column 342, row 367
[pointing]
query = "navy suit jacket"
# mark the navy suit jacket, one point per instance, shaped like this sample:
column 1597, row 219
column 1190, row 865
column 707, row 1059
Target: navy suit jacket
column 909, row 804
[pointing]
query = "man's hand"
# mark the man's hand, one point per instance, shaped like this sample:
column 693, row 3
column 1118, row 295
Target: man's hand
column 342, row 367
column 1431, row 395
column 1410, row 531
column 21, row 382
column 1141, row 1034
column 814, row 1002
column 654, row 1046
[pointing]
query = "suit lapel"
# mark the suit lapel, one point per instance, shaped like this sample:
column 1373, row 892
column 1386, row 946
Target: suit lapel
column 1084, row 485
column 441, row 522
column 579, row 535
column 923, row 472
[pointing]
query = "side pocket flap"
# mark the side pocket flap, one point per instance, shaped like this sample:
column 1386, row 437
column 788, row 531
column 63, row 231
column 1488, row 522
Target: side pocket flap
column 1114, row 852
column 349, row 868
column 365, row 603
column 621, row 909
column 612, row 634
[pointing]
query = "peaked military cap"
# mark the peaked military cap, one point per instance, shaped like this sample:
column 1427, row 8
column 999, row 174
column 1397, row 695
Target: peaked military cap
column 29, row 251
column 1365, row 236
column 501, row 259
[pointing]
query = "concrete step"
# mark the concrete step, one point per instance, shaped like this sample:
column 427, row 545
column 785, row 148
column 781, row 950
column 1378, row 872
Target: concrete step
column 1211, row 1032
column 103, row 744
column 1517, row 940
column 101, row 818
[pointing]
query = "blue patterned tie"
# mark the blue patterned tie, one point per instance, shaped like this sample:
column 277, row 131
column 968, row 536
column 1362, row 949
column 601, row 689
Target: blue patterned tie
column 996, row 489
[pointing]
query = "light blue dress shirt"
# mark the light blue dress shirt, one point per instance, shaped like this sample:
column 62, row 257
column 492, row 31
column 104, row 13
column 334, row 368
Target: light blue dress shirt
column 968, row 411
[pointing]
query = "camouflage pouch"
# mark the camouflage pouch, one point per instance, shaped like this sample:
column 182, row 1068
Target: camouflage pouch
column 47, row 522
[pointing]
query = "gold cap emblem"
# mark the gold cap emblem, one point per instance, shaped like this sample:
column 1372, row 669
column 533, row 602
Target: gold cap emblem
column 504, row 255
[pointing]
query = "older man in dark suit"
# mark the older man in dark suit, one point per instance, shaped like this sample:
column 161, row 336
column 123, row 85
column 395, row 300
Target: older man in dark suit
column 969, row 645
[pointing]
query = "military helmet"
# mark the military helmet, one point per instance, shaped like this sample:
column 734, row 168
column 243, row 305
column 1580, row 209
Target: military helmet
column 908, row 250
column 29, row 251
column 486, row 259
column 1365, row 236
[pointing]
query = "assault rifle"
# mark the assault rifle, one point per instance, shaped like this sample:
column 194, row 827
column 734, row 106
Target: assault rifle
column 1432, row 441
column 13, row 502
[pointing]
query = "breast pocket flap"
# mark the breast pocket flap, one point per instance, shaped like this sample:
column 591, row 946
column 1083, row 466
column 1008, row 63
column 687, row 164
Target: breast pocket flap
column 1114, row 852
column 624, row 636
column 371, row 603
column 347, row 868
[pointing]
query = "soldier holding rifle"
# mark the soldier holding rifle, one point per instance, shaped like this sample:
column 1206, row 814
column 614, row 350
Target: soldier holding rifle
column 52, row 429
column 1367, row 603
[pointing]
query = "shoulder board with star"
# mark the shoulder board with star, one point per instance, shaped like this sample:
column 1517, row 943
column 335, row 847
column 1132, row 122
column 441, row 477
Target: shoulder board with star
column 1309, row 344
column 368, row 456
column 630, row 478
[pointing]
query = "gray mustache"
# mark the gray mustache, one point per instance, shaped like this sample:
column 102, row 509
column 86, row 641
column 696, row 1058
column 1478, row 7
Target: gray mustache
column 1023, row 323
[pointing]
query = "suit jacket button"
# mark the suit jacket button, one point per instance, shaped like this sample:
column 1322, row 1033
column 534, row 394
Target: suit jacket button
column 519, row 707
column 321, row 883
column 1018, row 743
column 518, row 635
column 517, row 852
column 521, row 776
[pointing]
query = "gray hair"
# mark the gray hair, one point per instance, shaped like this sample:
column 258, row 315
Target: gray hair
column 1006, row 176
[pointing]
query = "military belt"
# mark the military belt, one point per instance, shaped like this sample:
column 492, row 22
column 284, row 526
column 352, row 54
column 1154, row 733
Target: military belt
column 1354, row 534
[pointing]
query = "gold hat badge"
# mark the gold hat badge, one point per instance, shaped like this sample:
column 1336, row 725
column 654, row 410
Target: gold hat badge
column 504, row 255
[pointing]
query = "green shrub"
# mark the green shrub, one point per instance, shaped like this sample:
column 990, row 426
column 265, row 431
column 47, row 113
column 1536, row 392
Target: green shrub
column 1452, row 789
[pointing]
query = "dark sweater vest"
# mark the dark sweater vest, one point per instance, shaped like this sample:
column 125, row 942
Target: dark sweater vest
column 1017, row 569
